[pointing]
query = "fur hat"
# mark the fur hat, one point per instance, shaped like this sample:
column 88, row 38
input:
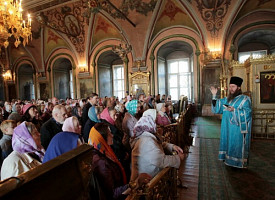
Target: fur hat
column 236, row 80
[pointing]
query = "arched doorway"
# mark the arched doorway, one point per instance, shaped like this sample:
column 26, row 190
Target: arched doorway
column 25, row 82
column 63, row 78
column 175, row 70
column 110, row 75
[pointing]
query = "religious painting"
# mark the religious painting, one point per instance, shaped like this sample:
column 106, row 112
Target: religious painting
column 72, row 25
column 267, row 87
column 140, row 83
column 86, row 87
column 44, row 91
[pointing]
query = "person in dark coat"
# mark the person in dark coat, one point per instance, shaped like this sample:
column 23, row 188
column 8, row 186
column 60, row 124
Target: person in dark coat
column 107, row 168
column 53, row 126
column 92, row 101
column 108, row 116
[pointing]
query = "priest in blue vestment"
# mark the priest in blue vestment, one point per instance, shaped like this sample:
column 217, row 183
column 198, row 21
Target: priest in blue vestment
column 236, row 124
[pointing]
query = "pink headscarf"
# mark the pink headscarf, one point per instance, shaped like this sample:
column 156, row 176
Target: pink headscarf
column 105, row 115
column 69, row 125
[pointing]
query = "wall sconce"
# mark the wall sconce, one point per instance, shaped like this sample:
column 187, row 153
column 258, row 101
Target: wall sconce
column 7, row 75
column 82, row 68
column 257, row 78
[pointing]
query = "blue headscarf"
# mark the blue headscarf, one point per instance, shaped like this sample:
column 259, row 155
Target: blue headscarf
column 92, row 114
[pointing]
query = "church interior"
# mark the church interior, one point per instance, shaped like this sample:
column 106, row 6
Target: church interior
column 73, row 48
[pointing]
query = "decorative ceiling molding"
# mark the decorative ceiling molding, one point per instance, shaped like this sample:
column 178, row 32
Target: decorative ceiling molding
column 34, row 6
column 122, row 11
column 68, row 20
column 213, row 13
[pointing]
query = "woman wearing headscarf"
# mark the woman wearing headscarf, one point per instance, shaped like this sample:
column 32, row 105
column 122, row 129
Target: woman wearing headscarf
column 148, row 150
column 107, row 168
column 151, row 103
column 162, row 118
column 108, row 116
column 65, row 141
column 93, row 118
column 30, row 114
column 27, row 151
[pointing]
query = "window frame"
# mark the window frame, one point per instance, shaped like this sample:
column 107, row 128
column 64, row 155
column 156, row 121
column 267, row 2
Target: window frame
column 188, row 73
column 122, row 79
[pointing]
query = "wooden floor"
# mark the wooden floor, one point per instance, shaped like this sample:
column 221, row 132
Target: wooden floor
column 189, row 171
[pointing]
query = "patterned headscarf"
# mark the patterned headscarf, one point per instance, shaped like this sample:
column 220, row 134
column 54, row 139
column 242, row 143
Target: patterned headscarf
column 146, row 123
column 105, row 115
column 96, row 139
column 92, row 114
column 132, row 107
column 23, row 142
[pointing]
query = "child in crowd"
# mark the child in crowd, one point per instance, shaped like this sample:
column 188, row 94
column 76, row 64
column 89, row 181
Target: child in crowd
column 7, row 127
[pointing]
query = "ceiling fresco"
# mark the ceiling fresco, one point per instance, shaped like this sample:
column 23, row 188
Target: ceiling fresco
column 170, row 15
column 103, row 30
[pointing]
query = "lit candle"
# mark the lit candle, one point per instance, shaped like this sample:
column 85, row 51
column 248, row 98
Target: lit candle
column 28, row 19
column 24, row 23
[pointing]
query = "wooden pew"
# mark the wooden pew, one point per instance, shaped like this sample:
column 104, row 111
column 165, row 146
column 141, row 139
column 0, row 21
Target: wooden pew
column 162, row 186
column 65, row 177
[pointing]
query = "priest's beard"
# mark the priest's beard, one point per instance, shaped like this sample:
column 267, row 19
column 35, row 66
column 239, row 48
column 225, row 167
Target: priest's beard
column 230, row 96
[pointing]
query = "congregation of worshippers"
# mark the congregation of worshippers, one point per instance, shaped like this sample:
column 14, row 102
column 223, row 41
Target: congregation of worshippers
column 123, row 133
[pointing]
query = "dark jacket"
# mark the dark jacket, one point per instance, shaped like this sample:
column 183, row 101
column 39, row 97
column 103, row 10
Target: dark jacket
column 117, row 146
column 109, row 177
column 87, row 128
column 46, row 116
column 49, row 129
column 85, row 113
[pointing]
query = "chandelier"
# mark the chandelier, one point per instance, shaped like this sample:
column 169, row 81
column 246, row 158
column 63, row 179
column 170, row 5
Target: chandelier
column 12, row 23
column 122, row 49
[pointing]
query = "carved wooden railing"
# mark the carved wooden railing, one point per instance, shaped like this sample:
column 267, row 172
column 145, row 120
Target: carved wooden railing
column 162, row 186
column 178, row 133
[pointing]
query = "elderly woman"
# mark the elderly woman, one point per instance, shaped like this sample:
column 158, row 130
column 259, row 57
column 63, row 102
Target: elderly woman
column 148, row 150
column 107, row 168
column 65, row 141
column 162, row 118
column 27, row 151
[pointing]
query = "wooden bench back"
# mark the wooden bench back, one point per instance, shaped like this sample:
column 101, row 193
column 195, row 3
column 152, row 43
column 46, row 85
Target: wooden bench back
column 65, row 177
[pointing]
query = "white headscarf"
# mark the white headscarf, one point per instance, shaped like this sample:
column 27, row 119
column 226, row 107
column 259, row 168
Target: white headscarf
column 151, row 112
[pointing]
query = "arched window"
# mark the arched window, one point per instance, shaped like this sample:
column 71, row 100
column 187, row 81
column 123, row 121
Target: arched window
column 110, row 75
column 175, row 70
